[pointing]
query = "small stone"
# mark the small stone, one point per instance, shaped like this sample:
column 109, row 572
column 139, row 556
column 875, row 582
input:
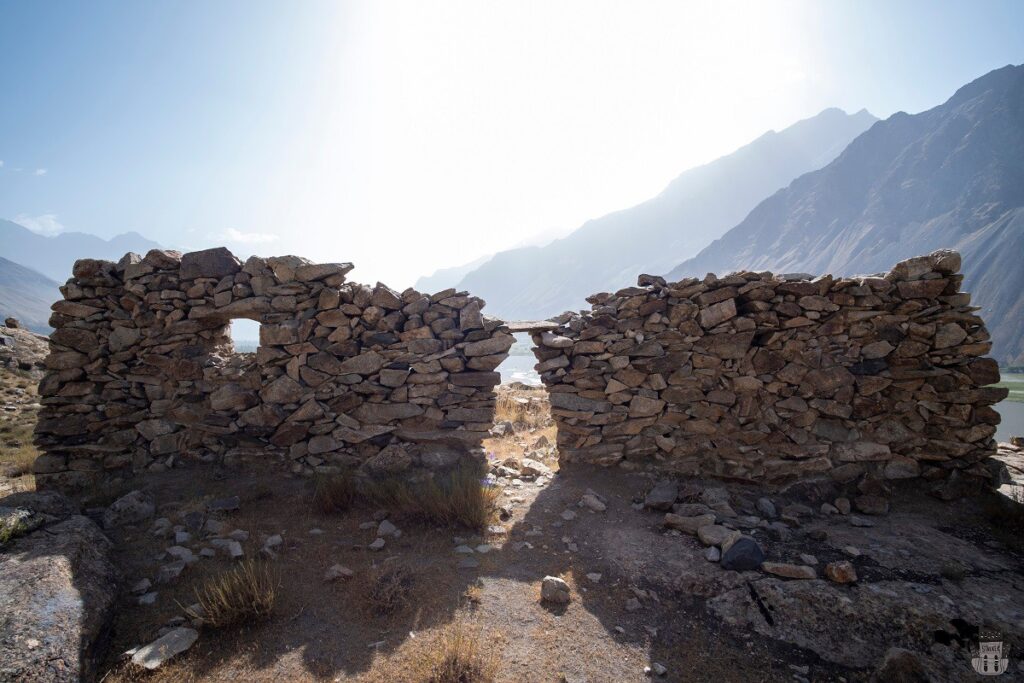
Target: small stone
column 207, row 552
column 789, row 571
column 690, row 525
column 594, row 577
column 141, row 586
column 386, row 528
column 860, row 521
column 172, row 643
column 841, row 572
column 131, row 508
column 808, row 559
column 181, row 537
column 463, row 550
column 843, row 505
column 568, row 515
column 239, row 535
column 712, row 554
column 829, row 509
column 338, row 571
column 377, row 545
column 852, row 551
column 593, row 503
column 767, row 508
column 148, row 598
column 715, row 534
column 658, row 669
column 181, row 553
column 484, row 548
column 234, row 550
column 170, row 572
column 554, row 589
column 743, row 555
column 214, row 526
column 872, row 505
column 662, row 496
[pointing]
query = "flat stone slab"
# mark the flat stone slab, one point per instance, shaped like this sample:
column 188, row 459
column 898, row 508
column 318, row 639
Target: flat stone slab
column 531, row 326
column 174, row 642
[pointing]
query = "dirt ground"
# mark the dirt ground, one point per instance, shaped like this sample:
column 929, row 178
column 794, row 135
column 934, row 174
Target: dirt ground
column 642, row 596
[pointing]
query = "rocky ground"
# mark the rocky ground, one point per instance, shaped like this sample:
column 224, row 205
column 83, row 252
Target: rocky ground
column 584, row 575
column 21, row 367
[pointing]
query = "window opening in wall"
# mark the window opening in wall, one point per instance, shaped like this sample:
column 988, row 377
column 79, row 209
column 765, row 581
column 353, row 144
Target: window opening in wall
column 245, row 335
column 518, row 367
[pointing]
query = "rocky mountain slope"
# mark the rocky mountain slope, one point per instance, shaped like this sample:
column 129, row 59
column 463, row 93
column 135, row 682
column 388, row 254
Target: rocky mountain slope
column 952, row 176
column 695, row 208
column 53, row 256
column 26, row 295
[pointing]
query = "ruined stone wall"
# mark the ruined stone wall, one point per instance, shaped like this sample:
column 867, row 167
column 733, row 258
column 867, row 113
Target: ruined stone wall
column 141, row 370
column 767, row 377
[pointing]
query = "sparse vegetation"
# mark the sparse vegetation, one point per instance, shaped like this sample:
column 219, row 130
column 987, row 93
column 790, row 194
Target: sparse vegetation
column 240, row 595
column 459, row 498
column 388, row 588
column 333, row 494
column 457, row 657
column 522, row 405
column 10, row 531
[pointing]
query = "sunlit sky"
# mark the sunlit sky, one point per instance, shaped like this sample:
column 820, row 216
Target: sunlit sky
column 408, row 136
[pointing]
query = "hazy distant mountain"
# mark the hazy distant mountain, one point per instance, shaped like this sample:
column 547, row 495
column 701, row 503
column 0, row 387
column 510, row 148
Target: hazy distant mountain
column 54, row 256
column 952, row 176
column 26, row 295
column 443, row 278
column 608, row 253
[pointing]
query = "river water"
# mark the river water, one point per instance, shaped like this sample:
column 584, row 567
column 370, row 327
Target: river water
column 519, row 368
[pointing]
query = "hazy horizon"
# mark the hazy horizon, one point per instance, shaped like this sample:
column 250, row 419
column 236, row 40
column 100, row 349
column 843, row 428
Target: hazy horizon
column 407, row 138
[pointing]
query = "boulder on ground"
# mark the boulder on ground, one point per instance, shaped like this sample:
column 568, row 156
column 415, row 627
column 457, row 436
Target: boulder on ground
column 57, row 591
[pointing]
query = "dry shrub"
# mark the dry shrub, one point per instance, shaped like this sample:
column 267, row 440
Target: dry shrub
column 388, row 588
column 334, row 494
column 457, row 658
column 240, row 595
column 529, row 408
column 461, row 497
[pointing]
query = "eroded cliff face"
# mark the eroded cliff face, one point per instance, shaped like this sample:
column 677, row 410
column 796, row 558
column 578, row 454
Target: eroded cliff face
column 766, row 377
column 141, row 370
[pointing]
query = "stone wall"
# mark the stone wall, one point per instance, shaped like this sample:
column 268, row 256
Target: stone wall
column 141, row 370
column 767, row 377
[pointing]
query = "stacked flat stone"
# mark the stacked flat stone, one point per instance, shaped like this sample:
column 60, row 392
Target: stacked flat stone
column 141, row 369
column 767, row 377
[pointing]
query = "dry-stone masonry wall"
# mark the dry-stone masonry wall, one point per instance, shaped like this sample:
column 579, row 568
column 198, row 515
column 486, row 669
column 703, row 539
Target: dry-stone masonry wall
column 767, row 377
column 141, row 369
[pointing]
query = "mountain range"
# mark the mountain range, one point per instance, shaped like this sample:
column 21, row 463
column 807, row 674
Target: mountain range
column 952, row 176
column 53, row 256
column 33, row 265
column 698, row 206
column 26, row 295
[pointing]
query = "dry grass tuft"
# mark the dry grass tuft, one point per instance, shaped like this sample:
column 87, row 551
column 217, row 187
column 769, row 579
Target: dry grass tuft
column 333, row 494
column 240, row 595
column 525, row 407
column 460, row 498
column 388, row 589
column 458, row 657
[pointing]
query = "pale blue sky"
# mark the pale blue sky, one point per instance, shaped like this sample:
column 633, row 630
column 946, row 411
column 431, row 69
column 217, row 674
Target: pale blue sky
column 364, row 131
